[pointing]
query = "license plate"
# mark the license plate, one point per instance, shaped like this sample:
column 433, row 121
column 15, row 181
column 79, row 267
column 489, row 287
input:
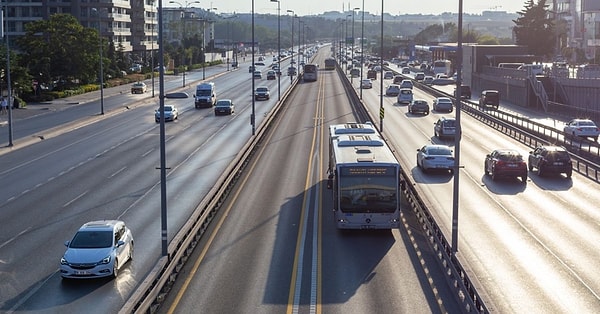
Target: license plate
column 81, row 272
column 558, row 163
column 512, row 165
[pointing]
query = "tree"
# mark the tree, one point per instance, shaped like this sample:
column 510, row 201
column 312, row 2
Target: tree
column 21, row 81
column 61, row 49
column 535, row 29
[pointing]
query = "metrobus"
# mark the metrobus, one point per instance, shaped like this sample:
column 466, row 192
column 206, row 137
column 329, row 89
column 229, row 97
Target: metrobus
column 330, row 64
column 310, row 72
column 442, row 67
column 364, row 177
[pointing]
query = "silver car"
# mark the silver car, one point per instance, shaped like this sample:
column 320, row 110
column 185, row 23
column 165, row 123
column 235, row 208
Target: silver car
column 98, row 249
column 434, row 156
column 442, row 104
column 171, row 113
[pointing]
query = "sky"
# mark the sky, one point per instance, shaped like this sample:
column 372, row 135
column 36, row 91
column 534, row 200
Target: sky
column 394, row 7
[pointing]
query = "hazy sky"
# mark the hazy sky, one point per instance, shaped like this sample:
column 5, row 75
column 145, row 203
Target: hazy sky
column 395, row 7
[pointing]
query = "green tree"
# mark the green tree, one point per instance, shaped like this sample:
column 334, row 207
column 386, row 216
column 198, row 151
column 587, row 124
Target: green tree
column 535, row 29
column 21, row 81
column 61, row 49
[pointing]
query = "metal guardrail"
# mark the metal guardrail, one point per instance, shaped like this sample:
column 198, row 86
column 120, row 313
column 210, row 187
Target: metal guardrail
column 152, row 291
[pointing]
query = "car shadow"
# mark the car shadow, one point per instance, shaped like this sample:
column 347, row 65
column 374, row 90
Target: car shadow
column 504, row 186
column 433, row 176
column 551, row 181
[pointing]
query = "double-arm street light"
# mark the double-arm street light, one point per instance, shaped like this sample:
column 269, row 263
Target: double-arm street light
column 353, row 13
column 346, row 40
column 204, row 44
column 278, row 48
column 293, row 15
column 362, row 45
column 184, row 33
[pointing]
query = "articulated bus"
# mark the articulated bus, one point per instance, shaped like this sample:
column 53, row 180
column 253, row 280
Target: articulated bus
column 310, row 72
column 364, row 177
column 330, row 64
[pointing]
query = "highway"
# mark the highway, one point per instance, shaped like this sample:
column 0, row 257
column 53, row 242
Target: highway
column 530, row 248
column 275, row 248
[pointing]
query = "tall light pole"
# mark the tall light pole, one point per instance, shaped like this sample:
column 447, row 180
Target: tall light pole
column 381, row 109
column 8, row 80
column 278, row 48
column 101, row 63
column 293, row 15
column 152, row 49
column 204, row 43
column 346, row 40
column 362, row 45
column 353, row 13
column 183, row 20
column 253, row 116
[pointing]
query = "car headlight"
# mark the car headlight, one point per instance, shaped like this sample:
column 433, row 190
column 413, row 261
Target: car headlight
column 105, row 260
column 63, row 261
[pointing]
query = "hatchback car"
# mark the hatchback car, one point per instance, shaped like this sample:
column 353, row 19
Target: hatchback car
column 388, row 75
column 138, row 88
column 434, row 156
column 489, row 98
column 405, row 70
column 428, row 80
column 442, row 104
column 366, row 83
column 418, row 106
column 584, row 128
column 355, row 72
column 505, row 163
column 98, row 249
column 262, row 93
column 405, row 96
column 444, row 127
column 271, row 75
column 406, row 84
column 392, row 90
column 257, row 75
column 224, row 107
column 419, row 76
column 550, row 159
column 171, row 113
column 465, row 92
column 398, row 79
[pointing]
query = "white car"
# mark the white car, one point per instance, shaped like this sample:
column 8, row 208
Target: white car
column 442, row 104
column 405, row 96
column 582, row 128
column 171, row 113
column 98, row 249
column 434, row 156
column 366, row 83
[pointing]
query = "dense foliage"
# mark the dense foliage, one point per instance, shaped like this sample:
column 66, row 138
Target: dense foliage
column 535, row 29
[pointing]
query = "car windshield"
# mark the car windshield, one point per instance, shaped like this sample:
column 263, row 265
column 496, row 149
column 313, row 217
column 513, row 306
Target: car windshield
column 449, row 124
column 223, row 104
column 92, row 240
column 440, row 151
column 586, row 123
column 168, row 108
column 262, row 89
column 510, row 157
column 203, row 92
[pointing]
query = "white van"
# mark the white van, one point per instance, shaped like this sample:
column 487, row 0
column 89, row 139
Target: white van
column 405, row 96
column 205, row 96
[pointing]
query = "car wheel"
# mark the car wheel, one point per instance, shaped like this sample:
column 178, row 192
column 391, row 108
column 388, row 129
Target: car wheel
column 530, row 166
column 569, row 174
column 130, row 254
column 115, row 272
column 485, row 171
column 540, row 171
column 524, row 178
column 494, row 175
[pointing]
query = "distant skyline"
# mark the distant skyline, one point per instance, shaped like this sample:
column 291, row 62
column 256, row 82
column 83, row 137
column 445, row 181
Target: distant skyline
column 393, row 7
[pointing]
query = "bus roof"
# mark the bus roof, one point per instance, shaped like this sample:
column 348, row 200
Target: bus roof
column 351, row 128
column 361, row 148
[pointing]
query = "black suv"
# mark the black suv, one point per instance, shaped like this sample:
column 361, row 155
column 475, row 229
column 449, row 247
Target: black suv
column 551, row 159
column 465, row 92
column 489, row 98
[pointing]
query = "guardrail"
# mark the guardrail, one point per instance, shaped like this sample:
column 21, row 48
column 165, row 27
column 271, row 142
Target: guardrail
column 456, row 275
column 152, row 291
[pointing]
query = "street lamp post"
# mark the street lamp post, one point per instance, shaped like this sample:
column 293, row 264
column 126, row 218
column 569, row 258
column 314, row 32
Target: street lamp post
column 278, row 48
column 346, row 40
column 101, row 63
column 362, row 46
column 184, row 33
column 353, row 13
column 293, row 15
column 253, row 116
column 204, row 45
